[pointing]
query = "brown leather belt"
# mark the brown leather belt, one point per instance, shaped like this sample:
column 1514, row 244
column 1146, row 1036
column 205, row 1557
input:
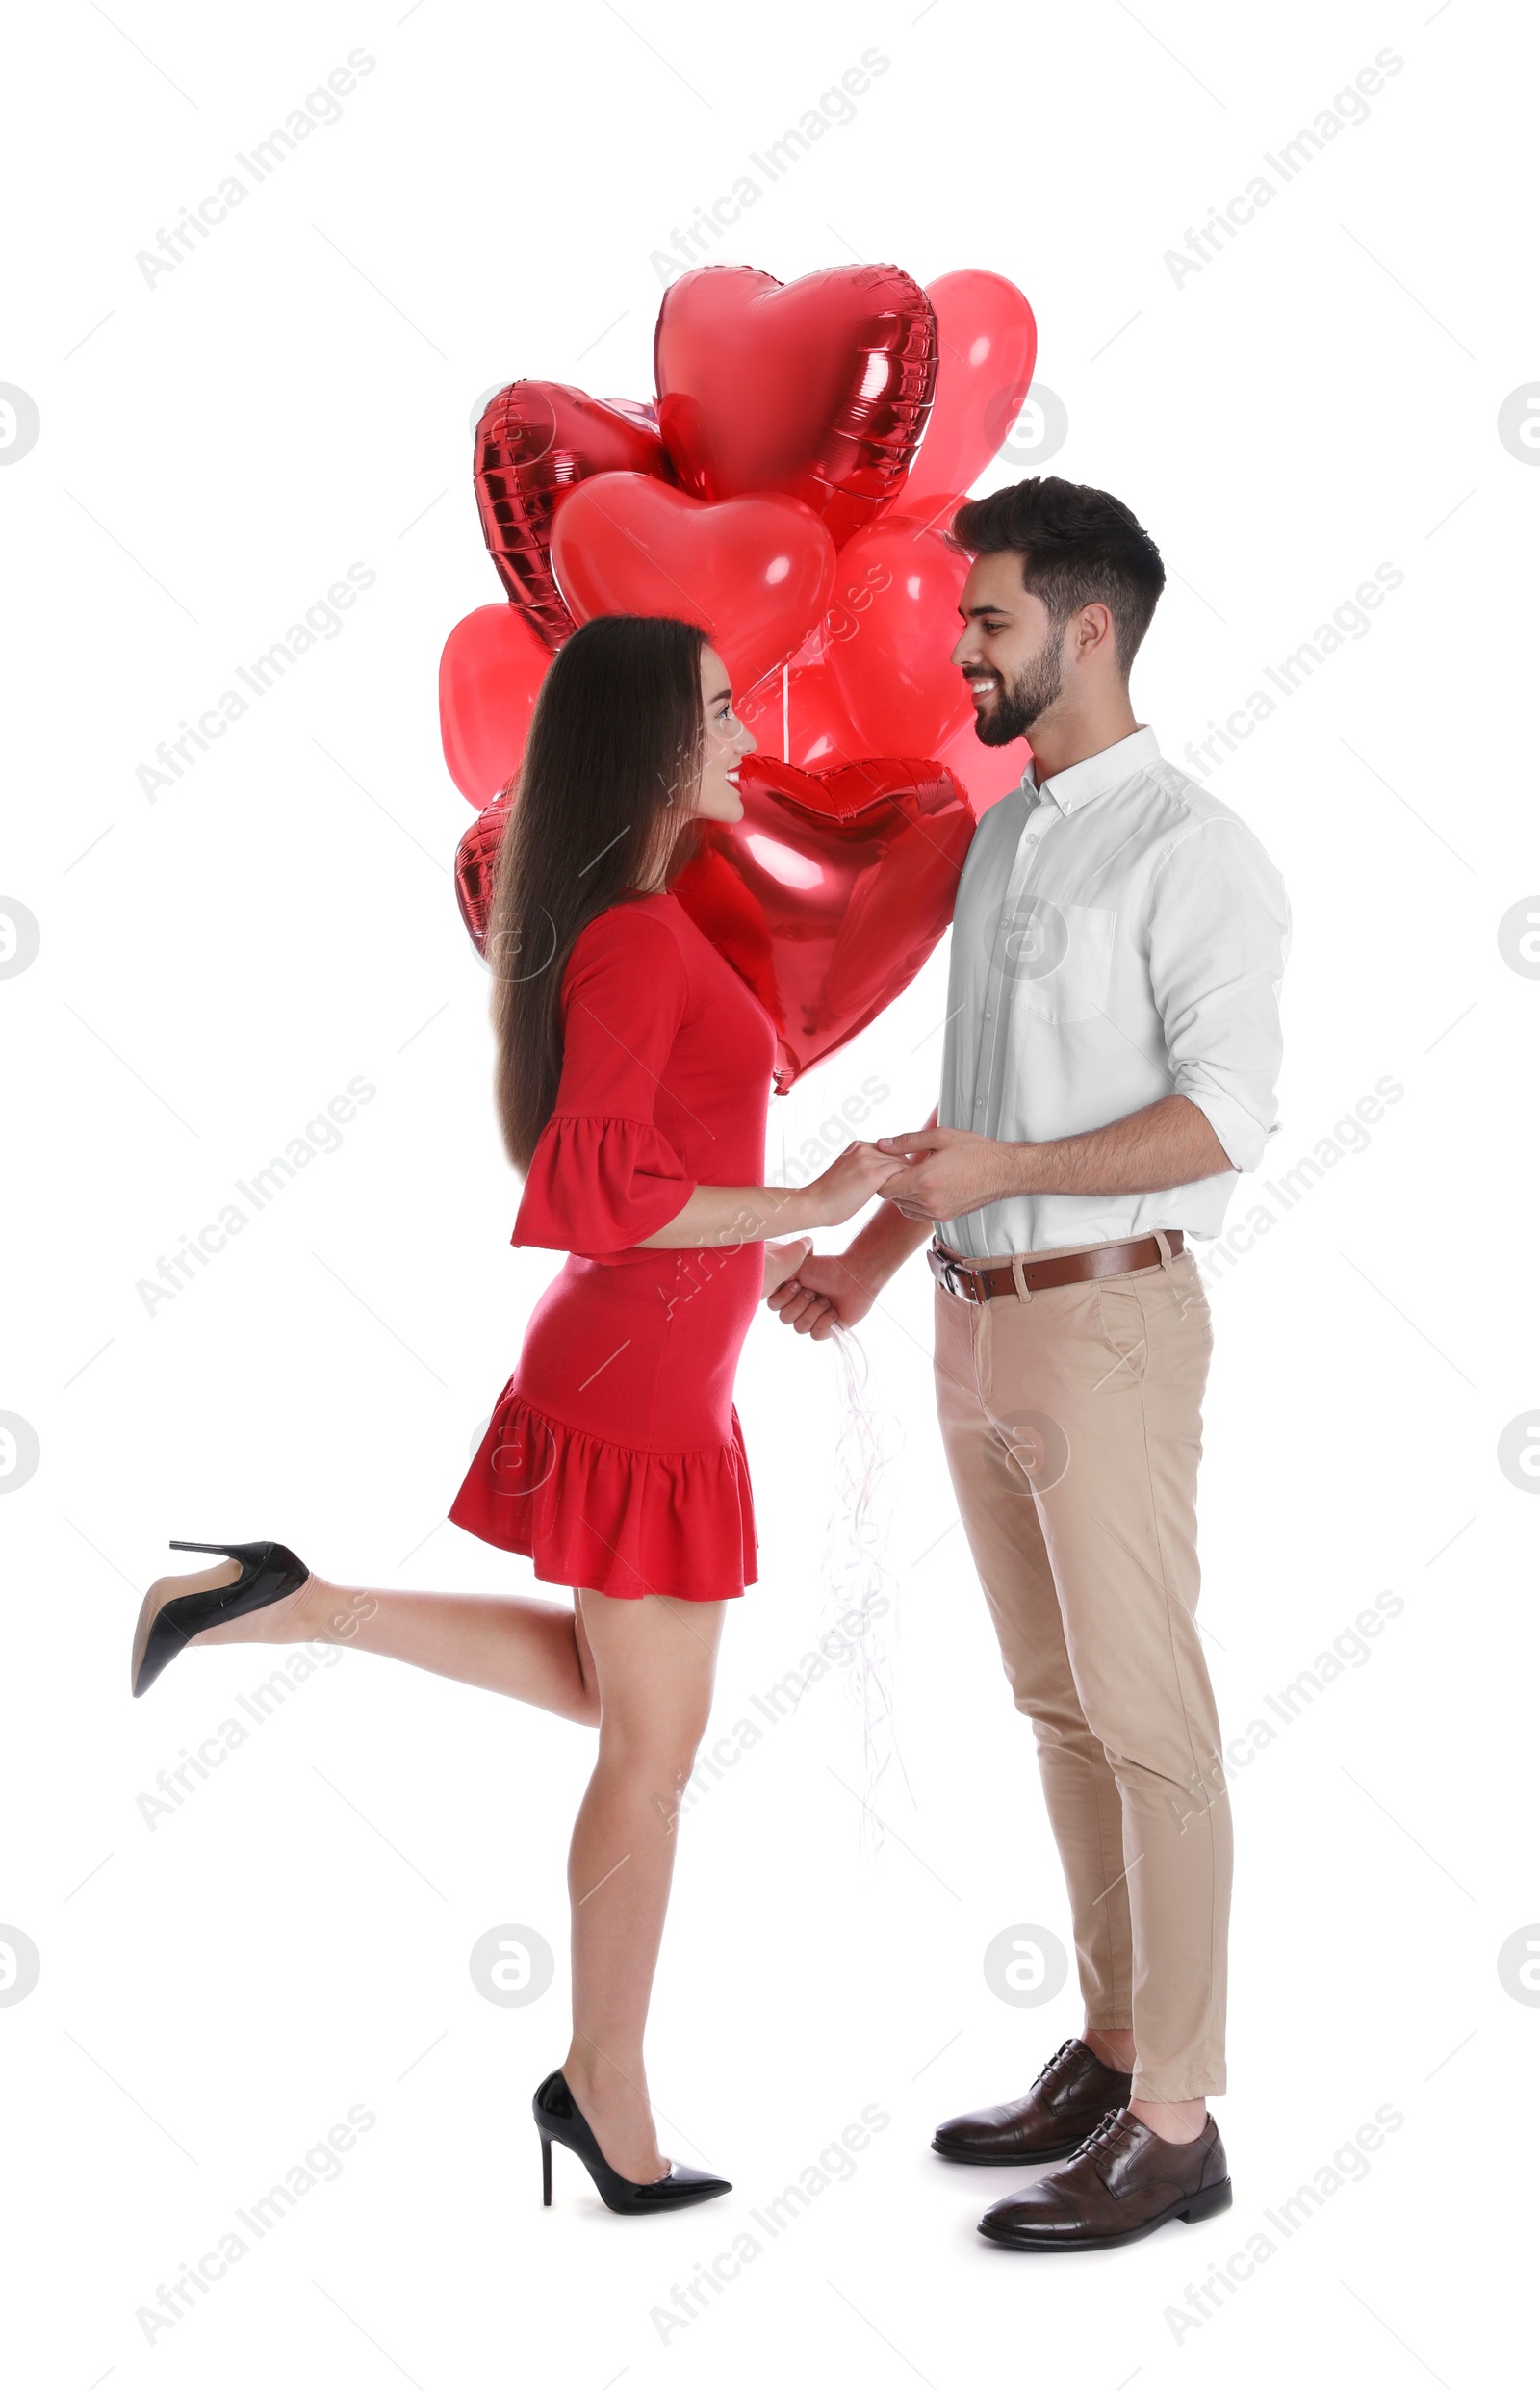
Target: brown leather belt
column 976, row 1283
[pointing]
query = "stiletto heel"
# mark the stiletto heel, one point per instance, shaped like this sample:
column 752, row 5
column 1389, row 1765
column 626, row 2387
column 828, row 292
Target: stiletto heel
column 544, row 2166
column 167, row 1625
column 559, row 2118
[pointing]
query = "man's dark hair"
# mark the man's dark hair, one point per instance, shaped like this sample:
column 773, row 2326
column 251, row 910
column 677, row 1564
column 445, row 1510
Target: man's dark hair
column 1078, row 548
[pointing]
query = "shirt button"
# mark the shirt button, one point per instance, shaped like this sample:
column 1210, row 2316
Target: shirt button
column 989, row 1016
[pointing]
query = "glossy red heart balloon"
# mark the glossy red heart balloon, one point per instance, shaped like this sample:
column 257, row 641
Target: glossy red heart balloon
column 755, row 573
column 987, row 344
column 819, row 389
column 831, row 892
column 889, row 635
column 827, row 897
column 489, row 675
column 475, row 865
column 535, row 442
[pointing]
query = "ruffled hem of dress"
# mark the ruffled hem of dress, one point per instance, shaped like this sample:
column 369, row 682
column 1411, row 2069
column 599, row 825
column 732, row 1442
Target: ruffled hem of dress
column 609, row 1517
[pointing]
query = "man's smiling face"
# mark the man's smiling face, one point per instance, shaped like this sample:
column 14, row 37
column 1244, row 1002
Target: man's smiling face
column 1011, row 653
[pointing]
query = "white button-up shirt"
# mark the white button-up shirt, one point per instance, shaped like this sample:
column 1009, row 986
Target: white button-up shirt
column 1120, row 937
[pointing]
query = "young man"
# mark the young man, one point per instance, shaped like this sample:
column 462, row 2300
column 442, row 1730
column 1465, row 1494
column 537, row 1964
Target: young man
column 1112, row 1053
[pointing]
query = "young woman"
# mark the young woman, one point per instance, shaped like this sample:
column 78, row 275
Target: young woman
column 632, row 1081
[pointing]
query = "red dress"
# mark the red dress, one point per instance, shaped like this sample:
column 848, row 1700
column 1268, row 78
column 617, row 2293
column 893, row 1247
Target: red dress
column 614, row 1458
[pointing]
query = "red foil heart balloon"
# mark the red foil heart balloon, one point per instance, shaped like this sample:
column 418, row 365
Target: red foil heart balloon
column 827, row 897
column 889, row 645
column 985, row 774
column 806, row 705
column 830, row 893
column 489, row 676
column 755, row 573
column 535, row 442
column 475, row 865
column 819, row 387
column 987, row 339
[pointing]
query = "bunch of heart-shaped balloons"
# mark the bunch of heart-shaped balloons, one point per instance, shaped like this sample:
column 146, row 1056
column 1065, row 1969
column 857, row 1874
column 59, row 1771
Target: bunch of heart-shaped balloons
column 789, row 490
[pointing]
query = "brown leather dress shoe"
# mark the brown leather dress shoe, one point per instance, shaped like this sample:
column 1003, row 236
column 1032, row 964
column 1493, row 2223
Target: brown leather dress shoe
column 1070, row 2096
column 1122, row 2183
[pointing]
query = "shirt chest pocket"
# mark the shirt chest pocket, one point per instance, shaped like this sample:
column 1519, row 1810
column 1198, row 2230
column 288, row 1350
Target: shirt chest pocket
column 1053, row 960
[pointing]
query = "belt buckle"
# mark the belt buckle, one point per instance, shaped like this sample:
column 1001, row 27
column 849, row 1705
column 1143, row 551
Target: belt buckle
column 947, row 1274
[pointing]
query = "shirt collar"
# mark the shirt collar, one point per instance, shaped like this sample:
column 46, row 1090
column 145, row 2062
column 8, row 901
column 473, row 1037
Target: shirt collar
column 1095, row 775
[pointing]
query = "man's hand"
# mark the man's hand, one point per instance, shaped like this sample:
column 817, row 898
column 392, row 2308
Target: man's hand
column 822, row 1294
column 951, row 1173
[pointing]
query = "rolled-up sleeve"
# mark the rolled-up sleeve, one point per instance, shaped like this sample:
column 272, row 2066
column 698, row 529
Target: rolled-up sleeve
column 1219, row 938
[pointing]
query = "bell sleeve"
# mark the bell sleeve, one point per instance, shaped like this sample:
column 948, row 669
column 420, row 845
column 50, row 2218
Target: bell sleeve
column 603, row 1176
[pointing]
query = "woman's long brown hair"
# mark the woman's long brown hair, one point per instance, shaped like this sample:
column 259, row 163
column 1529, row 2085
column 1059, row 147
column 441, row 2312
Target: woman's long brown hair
column 603, row 806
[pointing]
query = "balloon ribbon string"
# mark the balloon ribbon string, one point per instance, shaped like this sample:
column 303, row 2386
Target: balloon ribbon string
column 856, row 1572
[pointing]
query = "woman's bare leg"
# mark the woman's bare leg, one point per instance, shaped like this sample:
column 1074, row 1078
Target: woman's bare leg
column 508, row 1643
column 655, row 1660
column 642, row 1671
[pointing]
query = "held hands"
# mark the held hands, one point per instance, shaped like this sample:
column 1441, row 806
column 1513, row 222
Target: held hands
column 850, row 1182
column 950, row 1173
column 928, row 1174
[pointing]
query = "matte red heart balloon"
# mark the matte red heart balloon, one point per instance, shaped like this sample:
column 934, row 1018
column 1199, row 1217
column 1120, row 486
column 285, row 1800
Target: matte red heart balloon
column 822, row 733
column 819, row 389
column 489, row 675
column 827, row 897
column 889, row 637
column 988, row 341
column 754, row 572
column 535, row 442
column 830, row 893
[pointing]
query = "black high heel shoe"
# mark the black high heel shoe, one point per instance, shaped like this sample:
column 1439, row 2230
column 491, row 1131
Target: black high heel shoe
column 559, row 2118
column 268, row 1573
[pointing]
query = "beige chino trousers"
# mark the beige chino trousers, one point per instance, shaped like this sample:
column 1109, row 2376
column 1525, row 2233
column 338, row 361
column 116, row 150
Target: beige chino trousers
column 1072, row 1421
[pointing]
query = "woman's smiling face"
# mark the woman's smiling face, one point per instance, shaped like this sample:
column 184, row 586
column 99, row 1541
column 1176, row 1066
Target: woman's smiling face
column 726, row 742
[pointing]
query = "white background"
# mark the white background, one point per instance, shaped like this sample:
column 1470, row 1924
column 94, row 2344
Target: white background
column 215, row 450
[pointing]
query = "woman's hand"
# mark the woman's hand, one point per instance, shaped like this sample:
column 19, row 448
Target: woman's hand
column 781, row 1262
column 738, row 1216
column 849, row 1183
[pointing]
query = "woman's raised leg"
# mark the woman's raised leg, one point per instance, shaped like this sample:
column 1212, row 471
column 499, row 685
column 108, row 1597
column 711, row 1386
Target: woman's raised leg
column 656, row 1661
column 508, row 1643
column 642, row 1671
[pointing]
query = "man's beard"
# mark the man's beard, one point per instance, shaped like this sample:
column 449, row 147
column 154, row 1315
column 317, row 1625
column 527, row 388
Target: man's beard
column 1023, row 701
